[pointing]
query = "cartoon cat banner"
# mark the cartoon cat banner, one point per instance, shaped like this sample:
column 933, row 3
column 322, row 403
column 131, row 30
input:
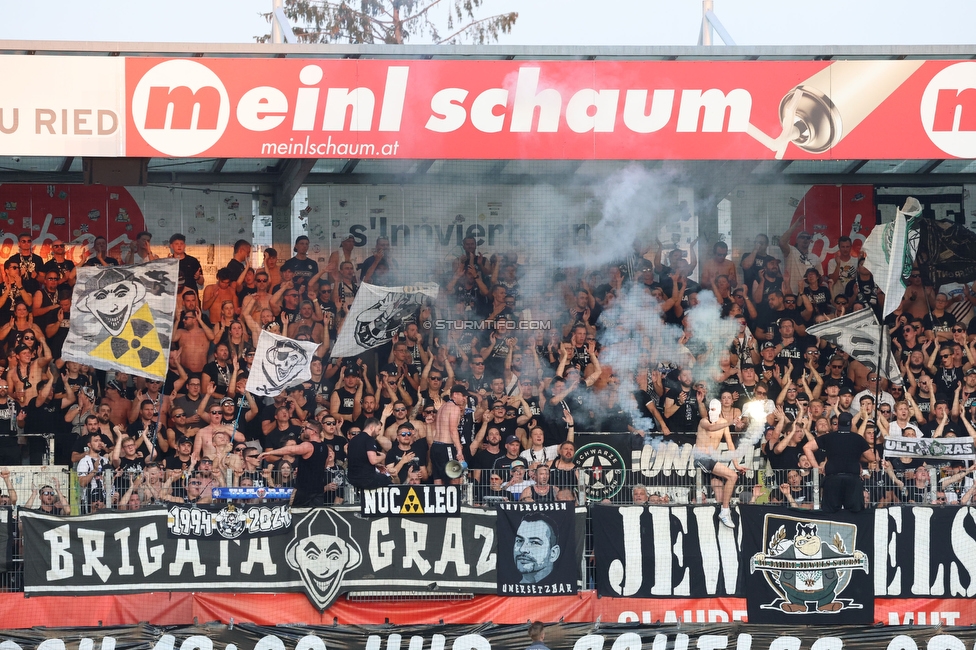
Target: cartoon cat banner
column 279, row 363
column 122, row 317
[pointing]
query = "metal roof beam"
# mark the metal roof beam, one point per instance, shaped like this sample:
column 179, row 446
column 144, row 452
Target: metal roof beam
column 292, row 176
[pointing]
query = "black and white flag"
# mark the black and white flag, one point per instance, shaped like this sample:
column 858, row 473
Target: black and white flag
column 122, row 317
column 858, row 334
column 931, row 448
column 377, row 315
column 279, row 363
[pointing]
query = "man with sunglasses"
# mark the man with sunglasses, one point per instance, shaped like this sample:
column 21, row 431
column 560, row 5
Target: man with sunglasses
column 310, row 459
column 203, row 441
column 409, row 441
column 52, row 502
column 15, row 289
column 194, row 493
column 60, row 264
column 799, row 257
column 29, row 261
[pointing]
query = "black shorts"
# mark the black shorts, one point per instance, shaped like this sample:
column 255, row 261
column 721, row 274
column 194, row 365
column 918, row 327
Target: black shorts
column 705, row 464
column 441, row 454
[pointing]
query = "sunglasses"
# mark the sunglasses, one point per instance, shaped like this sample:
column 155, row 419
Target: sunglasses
column 239, row 449
column 216, row 412
column 57, row 245
column 329, row 422
column 477, row 363
column 760, row 392
column 47, row 493
column 430, row 412
column 400, row 410
column 404, row 434
column 179, row 415
column 252, row 457
column 958, row 329
column 434, row 378
column 946, row 356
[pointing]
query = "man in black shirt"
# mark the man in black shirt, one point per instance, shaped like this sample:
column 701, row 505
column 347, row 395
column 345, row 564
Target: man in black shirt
column 407, row 443
column 302, row 267
column 310, row 457
column 237, row 266
column 10, row 413
column 842, row 486
column 365, row 455
column 191, row 273
column 30, row 262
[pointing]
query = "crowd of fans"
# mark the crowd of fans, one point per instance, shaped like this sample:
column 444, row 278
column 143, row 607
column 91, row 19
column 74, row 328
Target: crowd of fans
column 523, row 393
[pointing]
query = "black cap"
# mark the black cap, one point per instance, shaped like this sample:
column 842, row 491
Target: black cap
column 511, row 439
column 768, row 344
column 844, row 422
column 183, row 439
column 845, row 390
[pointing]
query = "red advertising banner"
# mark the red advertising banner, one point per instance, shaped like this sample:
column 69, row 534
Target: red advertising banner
column 614, row 110
column 181, row 608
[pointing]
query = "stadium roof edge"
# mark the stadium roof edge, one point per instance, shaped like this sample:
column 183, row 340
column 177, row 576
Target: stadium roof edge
column 792, row 52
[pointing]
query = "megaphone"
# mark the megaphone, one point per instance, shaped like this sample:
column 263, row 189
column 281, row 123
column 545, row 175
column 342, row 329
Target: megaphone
column 455, row 469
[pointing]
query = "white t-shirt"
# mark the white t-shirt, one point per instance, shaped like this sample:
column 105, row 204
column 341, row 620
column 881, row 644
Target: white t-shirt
column 797, row 264
column 545, row 455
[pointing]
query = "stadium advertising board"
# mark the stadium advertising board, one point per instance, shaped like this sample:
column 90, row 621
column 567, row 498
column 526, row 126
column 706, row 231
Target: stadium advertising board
column 487, row 109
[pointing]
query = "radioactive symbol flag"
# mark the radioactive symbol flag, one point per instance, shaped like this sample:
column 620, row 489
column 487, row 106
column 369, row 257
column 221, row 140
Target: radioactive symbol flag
column 137, row 346
column 122, row 317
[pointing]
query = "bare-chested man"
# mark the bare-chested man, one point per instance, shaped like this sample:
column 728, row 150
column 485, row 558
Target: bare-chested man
column 260, row 299
column 215, row 295
column 194, row 342
column 718, row 265
column 723, row 477
column 446, row 445
column 25, row 373
column 116, row 399
column 203, row 442
column 401, row 415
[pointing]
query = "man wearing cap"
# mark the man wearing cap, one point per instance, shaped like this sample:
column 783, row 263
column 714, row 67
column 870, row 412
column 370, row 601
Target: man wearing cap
column 845, row 400
column 842, row 486
column 191, row 273
column 303, row 268
column 799, row 258
column 347, row 253
column 310, row 458
column 503, row 464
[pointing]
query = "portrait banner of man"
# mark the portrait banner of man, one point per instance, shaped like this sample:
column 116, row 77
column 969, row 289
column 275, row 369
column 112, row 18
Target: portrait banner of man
column 540, row 548
column 122, row 317
column 279, row 363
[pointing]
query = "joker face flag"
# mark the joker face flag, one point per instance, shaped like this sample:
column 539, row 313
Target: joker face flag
column 122, row 317
column 279, row 362
column 377, row 314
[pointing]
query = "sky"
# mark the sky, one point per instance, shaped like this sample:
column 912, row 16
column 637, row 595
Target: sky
column 540, row 22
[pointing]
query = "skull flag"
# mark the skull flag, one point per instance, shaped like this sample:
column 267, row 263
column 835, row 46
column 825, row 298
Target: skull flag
column 122, row 317
column 279, row 363
column 378, row 314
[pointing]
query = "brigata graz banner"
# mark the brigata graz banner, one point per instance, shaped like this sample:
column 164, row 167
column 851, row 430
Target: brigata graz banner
column 683, row 551
column 559, row 636
column 323, row 552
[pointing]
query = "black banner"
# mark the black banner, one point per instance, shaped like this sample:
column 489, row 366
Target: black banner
column 804, row 569
column 558, row 636
column 229, row 522
column 945, row 252
column 324, row 552
column 667, row 552
column 412, row 500
column 538, row 553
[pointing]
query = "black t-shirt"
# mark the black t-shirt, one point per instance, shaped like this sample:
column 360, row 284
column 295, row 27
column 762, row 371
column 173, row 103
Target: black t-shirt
column 303, row 269
column 338, row 444
column 189, row 266
column 843, row 452
column 276, row 437
column 360, row 471
column 420, row 450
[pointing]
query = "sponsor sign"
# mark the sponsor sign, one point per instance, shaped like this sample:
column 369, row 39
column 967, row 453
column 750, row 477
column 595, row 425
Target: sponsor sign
column 539, row 550
column 934, row 448
column 229, row 522
column 616, row 110
column 134, row 552
column 62, row 106
column 411, row 500
column 487, row 109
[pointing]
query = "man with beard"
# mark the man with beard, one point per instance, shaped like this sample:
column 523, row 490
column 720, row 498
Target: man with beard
column 536, row 548
column 484, row 458
column 193, row 341
column 682, row 406
column 768, row 280
column 366, row 455
column 542, row 491
column 409, row 441
column 90, row 474
column 218, row 371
